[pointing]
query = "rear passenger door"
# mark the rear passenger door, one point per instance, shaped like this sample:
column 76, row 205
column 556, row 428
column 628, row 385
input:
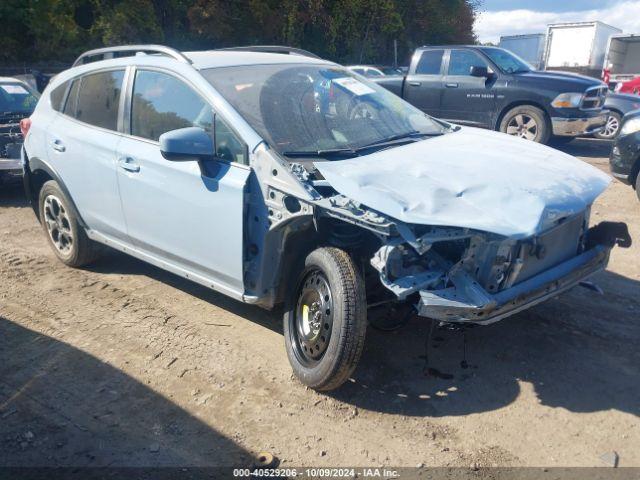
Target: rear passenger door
column 81, row 146
column 467, row 99
column 188, row 214
column 423, row 84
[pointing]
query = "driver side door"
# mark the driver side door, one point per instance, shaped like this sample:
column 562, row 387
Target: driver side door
column 185, row 214
column 465, row 98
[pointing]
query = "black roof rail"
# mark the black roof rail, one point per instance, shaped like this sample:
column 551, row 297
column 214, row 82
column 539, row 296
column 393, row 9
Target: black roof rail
column 271, row 49
column 128, row 51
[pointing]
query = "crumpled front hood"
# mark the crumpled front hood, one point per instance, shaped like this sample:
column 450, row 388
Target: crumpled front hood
column 470, row 178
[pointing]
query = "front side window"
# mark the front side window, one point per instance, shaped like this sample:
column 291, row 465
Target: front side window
column 311, row 108
column 461, row 61
column 99, row 99
column 430, row 62
column 507, row 61
column 16, row 98
column 162, row 103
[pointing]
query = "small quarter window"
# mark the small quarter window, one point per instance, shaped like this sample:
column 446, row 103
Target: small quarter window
column 57, row 96
column 72, row 99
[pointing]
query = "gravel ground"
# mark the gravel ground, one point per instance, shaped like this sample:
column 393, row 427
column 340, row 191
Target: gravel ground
column 122, row 364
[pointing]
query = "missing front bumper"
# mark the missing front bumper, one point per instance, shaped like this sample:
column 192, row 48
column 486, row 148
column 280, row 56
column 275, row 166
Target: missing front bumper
column 469, row 302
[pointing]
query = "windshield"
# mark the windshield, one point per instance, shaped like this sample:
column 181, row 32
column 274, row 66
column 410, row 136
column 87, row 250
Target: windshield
column 507, row 61
column 14, row 97
column 316, row 108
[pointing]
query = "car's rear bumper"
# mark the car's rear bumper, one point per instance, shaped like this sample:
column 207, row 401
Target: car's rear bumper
column 473, row 304
column 574, row 127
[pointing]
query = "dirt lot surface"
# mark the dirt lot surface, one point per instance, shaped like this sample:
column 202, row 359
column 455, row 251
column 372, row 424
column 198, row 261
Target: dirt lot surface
column 122, row 364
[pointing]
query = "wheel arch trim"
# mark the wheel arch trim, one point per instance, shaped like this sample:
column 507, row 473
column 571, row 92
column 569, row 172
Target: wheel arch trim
column 31, row 168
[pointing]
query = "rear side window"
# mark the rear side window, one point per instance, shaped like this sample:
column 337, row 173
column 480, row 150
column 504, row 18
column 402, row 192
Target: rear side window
column 99, row 98
column 57, row 96
column 430, row 62
column 461, row 61
column 162, row 103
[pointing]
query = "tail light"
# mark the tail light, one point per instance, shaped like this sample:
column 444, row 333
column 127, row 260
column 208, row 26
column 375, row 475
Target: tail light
column 25, row 125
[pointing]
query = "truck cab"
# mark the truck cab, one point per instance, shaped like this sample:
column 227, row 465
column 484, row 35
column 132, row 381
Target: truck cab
column 492, row 88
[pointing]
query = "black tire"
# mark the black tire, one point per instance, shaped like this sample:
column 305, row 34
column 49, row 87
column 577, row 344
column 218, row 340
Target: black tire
column 77, row 250
column 612, row 128
column 511, row 124
column 331, row 285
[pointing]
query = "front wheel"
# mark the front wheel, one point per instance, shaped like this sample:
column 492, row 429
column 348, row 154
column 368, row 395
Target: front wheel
column 527, row 122
column 325, row 320
column 611, row 128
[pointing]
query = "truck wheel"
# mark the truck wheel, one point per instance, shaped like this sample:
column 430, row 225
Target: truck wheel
column 526, row 121
column 66, row 236
column 611, row 128
column 325, row 320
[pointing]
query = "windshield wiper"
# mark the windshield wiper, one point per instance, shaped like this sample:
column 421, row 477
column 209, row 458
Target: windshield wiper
column 328, row 153
column 398, row 139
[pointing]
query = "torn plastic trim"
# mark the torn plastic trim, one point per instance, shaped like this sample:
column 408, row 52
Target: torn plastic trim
column 467, row 301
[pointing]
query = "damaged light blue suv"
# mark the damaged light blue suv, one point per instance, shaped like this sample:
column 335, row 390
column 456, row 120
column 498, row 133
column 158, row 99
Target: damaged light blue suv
column 279, row 178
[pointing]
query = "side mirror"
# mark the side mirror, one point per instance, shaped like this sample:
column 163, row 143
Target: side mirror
column 185, row 144
column 477, row 71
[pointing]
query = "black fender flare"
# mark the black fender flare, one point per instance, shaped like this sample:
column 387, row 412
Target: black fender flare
column 31, row 167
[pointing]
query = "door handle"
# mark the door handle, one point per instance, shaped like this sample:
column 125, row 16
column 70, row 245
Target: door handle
column 415, row 84
column 451, row 85
column 58, row 146
column 129, row 164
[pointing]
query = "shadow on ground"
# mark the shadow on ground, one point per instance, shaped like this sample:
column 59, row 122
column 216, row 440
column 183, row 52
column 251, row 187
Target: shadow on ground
column 577, row 351
column 584, row 147
column 57, row 399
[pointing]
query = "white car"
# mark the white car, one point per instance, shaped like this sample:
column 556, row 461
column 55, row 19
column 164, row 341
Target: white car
column 285, row 179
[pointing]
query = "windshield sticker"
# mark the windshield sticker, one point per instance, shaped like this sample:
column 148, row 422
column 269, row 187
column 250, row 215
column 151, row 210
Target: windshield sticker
column 354, row 86
column 14, row 89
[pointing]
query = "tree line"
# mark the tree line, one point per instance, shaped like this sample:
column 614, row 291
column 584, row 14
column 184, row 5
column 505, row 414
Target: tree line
column 347, row 31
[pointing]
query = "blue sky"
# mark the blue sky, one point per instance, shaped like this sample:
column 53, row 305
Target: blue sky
column 545, row 5
column 514, row 17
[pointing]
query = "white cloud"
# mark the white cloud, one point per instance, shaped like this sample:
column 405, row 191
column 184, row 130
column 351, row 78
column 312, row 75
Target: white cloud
column 490, row 26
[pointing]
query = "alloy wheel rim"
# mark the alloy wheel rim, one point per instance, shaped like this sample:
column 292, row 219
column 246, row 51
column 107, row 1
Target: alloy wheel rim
column 611, row 127
column 313, row 319
column 58, row 224
column 523, row 126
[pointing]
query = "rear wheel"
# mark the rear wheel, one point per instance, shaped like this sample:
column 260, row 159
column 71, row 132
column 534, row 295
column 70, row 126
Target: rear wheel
column 611, row 128
column 526, row 122
column 325, row 320
column 66, row 236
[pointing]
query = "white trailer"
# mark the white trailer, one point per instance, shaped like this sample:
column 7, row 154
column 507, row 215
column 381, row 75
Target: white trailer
column 529, row 47
column 623, row 57
column 578, row 47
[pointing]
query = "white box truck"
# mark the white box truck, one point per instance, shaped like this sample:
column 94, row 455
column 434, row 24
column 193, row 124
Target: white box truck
column 529, row 47
column 623, row 58
column 579, row 47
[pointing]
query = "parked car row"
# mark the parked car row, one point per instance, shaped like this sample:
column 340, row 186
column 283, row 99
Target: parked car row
column 286, row 179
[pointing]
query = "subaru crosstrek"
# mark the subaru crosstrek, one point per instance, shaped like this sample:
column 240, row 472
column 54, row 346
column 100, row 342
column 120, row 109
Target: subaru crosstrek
column 285, row 179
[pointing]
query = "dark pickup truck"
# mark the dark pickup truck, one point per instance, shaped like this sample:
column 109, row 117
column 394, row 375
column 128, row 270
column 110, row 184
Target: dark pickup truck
column 492, row 88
